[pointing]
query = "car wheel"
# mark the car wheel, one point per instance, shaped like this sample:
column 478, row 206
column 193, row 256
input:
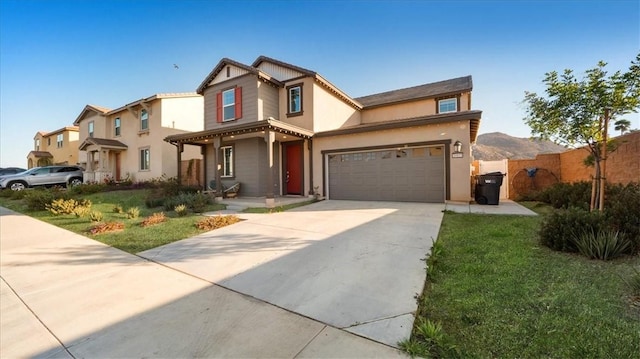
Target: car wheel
column 74, row 182
column 17, row 186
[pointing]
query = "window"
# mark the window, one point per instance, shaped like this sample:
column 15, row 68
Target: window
column 227, row 161
column 48, row 141
column 144, row 120
column 91, row 129
column 116, row 127
column 38, row 145
column 60, row 139
column 294, row 99
column 448, row 105
column 145, row 159
column 229, row 105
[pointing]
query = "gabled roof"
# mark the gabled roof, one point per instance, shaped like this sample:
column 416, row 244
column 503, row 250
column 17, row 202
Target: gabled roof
column 88, row 109
column 431, row 90
column 158, row 96
column 103, row 142
column 316, row 76
column 262, row 59
column 226, row 61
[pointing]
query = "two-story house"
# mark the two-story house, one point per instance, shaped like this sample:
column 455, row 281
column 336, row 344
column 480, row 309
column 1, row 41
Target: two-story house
column 280, row 129
column 127, row 142
column 58, row 147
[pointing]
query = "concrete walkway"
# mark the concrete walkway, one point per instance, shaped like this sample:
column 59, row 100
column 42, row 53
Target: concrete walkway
column 506, row 206
column 64, row 295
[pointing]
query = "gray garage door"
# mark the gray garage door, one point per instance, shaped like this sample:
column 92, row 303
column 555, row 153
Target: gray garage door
column 406, row 175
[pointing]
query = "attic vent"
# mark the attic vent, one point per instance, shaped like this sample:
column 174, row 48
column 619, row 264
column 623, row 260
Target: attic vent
column 228, row 71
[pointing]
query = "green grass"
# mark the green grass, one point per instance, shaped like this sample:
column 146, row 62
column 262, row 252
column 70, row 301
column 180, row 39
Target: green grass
column 277, row 209
column 133, row 238
column 498, row 294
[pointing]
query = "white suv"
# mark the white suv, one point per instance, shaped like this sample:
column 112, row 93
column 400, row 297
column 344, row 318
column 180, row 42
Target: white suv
column 43, row 176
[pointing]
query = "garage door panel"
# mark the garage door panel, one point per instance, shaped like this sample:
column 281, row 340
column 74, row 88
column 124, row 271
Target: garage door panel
column 408, row 174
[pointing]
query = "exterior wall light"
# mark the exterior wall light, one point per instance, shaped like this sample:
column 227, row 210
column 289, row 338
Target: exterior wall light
column 457, row 150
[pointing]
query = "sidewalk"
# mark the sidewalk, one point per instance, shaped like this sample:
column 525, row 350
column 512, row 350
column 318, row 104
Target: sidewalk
column 64, row 295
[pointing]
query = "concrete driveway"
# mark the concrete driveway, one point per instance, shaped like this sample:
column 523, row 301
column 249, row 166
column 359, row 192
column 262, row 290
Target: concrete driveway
column 350, row 264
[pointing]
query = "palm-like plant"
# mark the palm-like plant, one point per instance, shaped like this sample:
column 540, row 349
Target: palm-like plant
column 622, row 126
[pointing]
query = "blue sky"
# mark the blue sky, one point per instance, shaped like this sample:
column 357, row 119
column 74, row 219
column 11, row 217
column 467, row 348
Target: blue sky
column 58, row 56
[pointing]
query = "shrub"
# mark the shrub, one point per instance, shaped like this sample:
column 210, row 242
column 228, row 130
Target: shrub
column 117, row 208
column 215, row 222
column 96, row 216
column 634, row 283
column 181, row 210
column 81, row 211
column 17, row 195
column 622, row 210
column 567, row 195
column 106, row 227
column 38, row 199
column 155, row 198
column 66, row 206
column 603, row 244
column 88, row 188
column 155, row 218
column 133, row 212
column 195, row 201
column 559, row 228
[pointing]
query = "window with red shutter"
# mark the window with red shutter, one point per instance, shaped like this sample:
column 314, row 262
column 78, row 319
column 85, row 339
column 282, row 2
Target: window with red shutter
column 238, row 102
column 219, row 107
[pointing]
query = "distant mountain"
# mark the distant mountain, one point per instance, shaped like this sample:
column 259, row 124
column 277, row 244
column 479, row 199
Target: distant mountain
column 497, row 146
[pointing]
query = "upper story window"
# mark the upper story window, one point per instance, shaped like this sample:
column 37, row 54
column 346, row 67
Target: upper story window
column 294, row 100
column 48, row 141
column 448, row 105
column 229, row 104
column 116, row 127
column 37, row 144
column 91, row 129
column 144, row 120
column 60, row 140
column 227, row 161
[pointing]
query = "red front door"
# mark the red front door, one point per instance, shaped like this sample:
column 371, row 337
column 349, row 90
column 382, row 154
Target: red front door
column 293, row 168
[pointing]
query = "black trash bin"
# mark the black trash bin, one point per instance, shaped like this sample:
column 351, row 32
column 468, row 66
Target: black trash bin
column 487, row 189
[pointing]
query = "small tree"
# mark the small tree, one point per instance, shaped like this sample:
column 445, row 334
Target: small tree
column 622, row 126
column 577, row 113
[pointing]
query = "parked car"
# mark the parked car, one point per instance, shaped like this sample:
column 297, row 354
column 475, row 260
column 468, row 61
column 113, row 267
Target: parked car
column 11, row 170
column 43, row 176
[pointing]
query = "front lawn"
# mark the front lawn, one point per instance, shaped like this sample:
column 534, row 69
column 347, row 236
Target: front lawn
column 498, row 294
column 133, row 238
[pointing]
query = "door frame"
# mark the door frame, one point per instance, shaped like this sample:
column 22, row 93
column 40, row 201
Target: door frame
column 285, row 163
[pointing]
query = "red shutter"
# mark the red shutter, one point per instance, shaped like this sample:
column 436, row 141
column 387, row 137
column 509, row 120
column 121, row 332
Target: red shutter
column 238, row 102
column 219, row 107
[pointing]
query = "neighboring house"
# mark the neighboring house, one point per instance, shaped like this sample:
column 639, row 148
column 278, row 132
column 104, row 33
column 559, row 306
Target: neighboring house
column 280, row 129
column 128, row 142
column 59, row 147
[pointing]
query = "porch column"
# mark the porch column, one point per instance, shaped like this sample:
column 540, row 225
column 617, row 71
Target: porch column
column 270, row 138
column 216, row 167
column 310, row 148
column 203, row 152
column 179, row 148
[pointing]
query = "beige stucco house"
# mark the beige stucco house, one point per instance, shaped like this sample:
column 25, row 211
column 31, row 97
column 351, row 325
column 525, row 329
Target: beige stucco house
column 58, row 147
column 127, row 142
column 280, row 129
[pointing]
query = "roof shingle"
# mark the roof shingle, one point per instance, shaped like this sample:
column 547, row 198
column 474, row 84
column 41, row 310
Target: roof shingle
column 435, row 89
